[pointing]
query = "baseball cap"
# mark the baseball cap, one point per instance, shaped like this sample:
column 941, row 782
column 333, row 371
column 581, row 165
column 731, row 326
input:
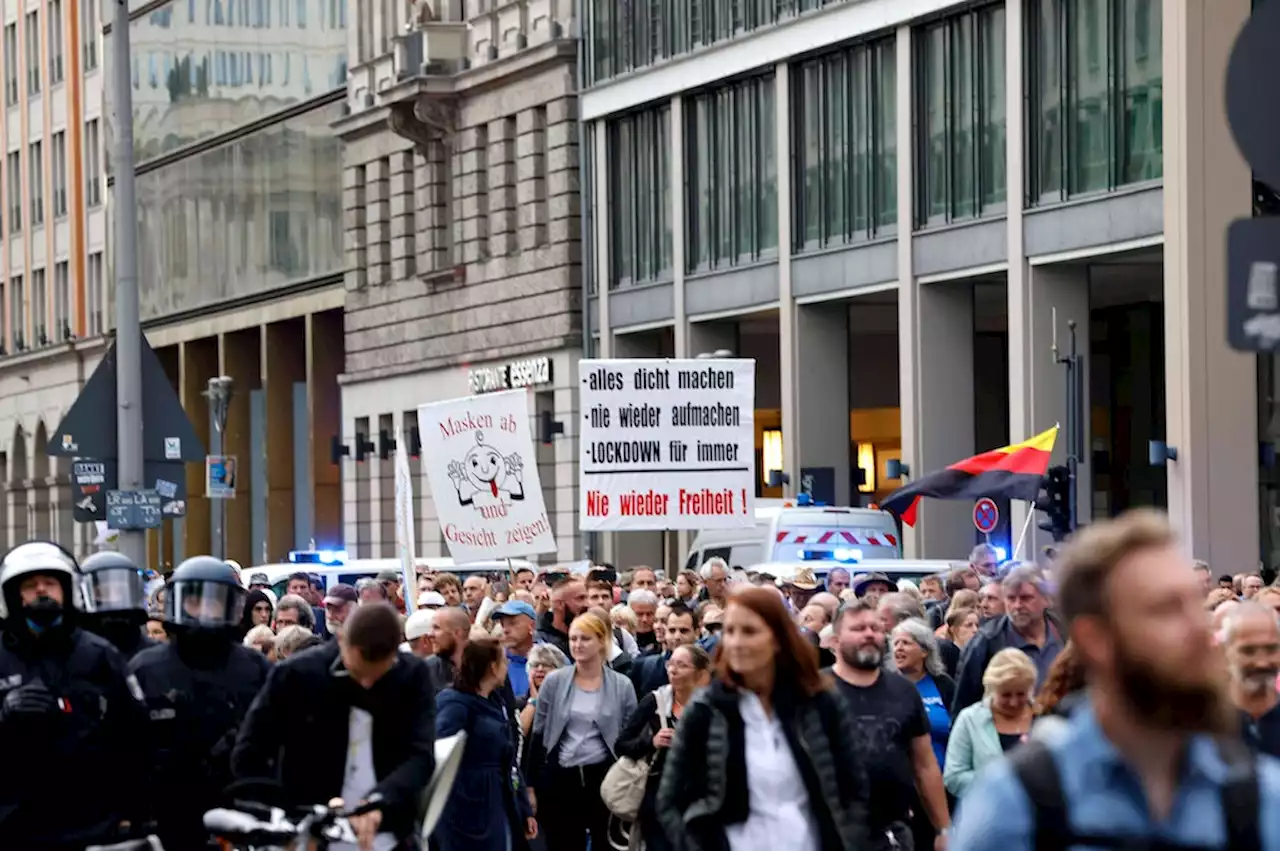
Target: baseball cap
column 388, row 576
column 418, row 624
column 511, row 608
column 341, row 592
column 430, row 600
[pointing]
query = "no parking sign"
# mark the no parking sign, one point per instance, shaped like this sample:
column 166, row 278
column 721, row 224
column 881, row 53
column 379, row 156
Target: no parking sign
column 986, row 516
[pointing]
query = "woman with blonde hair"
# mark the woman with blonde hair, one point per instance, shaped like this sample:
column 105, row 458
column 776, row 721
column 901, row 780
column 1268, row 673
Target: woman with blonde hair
column 580, row 713
column 998, row 723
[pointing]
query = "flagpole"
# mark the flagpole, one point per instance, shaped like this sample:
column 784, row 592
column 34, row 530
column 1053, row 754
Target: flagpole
column 1031, row 515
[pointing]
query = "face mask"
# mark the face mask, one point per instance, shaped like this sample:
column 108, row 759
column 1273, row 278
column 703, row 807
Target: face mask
column 42, row 614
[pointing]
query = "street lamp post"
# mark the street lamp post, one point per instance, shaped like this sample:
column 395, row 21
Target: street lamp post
column 218, row 392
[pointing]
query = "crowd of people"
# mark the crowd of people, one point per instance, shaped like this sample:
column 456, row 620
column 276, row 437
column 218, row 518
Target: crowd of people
column 1113, row 692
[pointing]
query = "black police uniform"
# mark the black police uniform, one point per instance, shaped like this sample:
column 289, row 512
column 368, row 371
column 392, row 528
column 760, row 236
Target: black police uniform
column 196, row 691
column 70, row 732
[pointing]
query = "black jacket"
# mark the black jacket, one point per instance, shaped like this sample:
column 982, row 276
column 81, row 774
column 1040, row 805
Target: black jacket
column 650, row 672
column 989, row 640
column 296, row 732
column 90, row 742
column 442, row 671
column 704, row 782
column 195, row 699
column 547, row 633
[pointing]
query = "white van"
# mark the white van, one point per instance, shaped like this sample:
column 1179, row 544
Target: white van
column 792, row 530
column 333, row 567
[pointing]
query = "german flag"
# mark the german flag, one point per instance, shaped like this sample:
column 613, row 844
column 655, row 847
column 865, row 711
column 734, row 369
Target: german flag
column 1011, row 472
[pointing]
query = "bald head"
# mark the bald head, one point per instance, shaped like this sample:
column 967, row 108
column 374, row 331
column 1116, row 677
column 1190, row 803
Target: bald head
column 829, row 602
column 452, row 619
column 1221, row 613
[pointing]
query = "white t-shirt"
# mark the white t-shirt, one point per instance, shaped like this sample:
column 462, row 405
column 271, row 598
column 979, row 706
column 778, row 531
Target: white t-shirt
column 778, row 815
column 359, row 779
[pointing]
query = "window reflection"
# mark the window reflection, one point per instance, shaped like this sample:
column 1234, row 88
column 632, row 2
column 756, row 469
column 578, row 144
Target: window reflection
column 255, row 214
column 214, row 64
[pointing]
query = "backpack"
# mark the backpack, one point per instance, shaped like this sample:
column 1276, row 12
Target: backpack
column 624, row 783
column 1034, row 766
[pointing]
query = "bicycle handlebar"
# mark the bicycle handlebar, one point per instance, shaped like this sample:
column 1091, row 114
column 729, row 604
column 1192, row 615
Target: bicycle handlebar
column 314, row 822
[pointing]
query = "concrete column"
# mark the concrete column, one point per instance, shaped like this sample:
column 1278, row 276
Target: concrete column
column 351, row 527
column 943, row 404
column 822, row 383
column 197, row 363
column 325, row 355
column 908, row 301
column 240, row 354
column 502, row 187
column 378, row 220
column 403, row 208
column 565, row 481
column 38, row 520
column 601, row 222
column 683, row 333
column 788, row 320
column 16, row 498
column 60, row 519
column 284, row 362
column 361, row 506
column 1021, row 422
column 385, row 487
column 531, row 176
column 1211, row 390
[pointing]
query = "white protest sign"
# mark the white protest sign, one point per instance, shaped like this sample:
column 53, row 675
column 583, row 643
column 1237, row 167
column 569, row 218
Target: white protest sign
column 479, row 459
column 667, row 444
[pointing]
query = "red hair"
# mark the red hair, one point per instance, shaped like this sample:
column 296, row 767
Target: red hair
column 797, row 658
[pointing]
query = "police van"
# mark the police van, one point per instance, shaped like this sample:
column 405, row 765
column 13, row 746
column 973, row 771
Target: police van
column 333, row 567
column 798, row 529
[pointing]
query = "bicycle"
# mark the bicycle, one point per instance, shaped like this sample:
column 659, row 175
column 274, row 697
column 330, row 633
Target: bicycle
column 250, row 826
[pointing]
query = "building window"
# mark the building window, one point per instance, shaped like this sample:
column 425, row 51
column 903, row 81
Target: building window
column 93, row 164
column 844, row 145
column 32, row 29
column 731, row 203
column 1096, row 104
column 39, row 309
column 14, row 191
column 94, row 294
column 59, row 174
column 90, row 32
column 18, row 313
column 960, row 117
column 61, row 302
column 640, row 196
column 11, row 64
column 55, row 42
column 35, row 182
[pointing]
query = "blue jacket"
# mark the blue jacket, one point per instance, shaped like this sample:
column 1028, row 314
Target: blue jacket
column 489, row 803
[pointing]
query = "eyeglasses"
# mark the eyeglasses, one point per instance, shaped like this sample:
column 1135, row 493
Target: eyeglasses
column 712, row 627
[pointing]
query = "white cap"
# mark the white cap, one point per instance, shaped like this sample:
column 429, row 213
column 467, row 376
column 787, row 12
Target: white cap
column 429, row 598
column 418, row 624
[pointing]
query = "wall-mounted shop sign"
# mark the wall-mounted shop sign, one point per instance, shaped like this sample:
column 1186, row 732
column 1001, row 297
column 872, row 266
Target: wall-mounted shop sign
column 510, row 376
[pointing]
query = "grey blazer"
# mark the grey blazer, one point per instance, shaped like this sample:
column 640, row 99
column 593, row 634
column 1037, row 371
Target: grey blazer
column 617, row 701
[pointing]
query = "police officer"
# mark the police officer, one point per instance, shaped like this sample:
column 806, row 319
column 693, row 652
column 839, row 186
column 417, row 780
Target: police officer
column 197, row 689
column 115, row 601
column 68, row 723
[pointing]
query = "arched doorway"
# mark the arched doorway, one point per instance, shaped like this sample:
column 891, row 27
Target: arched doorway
column 18, row 496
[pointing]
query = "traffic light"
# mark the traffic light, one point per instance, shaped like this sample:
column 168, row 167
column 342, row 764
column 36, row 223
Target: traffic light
column 1055, row 501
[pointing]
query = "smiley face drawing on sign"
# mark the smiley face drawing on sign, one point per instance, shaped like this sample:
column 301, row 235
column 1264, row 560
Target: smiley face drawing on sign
column 487, row 480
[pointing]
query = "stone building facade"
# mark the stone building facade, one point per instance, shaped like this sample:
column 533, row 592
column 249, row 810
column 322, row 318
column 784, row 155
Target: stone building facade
column 462, row 241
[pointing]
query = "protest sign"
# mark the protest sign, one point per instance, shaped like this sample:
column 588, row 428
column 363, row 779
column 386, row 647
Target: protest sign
column 479, row 459
column 667, row 444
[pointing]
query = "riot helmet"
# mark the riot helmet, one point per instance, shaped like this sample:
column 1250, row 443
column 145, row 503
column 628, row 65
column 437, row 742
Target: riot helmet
column 204, row 592
column 111, row 583
column 21, row 594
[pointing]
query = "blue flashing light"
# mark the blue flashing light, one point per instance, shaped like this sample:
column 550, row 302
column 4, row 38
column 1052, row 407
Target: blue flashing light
column 1001, row 553
column 804, row 499
column 318, row 557
column 848, row 555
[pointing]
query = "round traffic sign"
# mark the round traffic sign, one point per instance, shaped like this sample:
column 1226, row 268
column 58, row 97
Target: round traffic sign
column 1252, row 71
column 985, row 515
